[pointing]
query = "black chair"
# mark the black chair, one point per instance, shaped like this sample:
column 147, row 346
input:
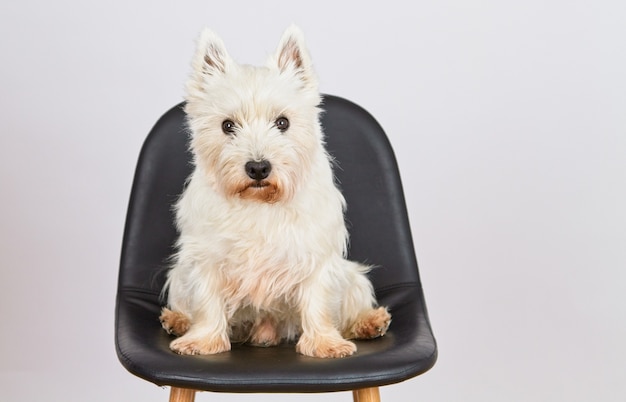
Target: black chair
column 368, row 176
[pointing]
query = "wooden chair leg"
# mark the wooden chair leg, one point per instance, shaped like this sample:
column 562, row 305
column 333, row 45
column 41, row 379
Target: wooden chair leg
column 366, row 395
column 182, row 395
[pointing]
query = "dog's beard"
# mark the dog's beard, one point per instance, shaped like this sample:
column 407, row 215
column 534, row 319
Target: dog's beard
column 265, row 191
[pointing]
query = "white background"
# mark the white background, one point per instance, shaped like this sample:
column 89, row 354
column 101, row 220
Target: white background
column 509, row 123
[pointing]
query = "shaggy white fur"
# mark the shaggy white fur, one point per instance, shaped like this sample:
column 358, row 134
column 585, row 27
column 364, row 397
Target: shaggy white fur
column 261, row 252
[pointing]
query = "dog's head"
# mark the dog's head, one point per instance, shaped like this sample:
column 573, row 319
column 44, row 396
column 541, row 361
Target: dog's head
column 255, row 130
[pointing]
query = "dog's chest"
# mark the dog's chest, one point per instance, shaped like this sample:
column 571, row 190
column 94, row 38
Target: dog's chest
column 275, row 236
column 261, row 286
column 269, row 258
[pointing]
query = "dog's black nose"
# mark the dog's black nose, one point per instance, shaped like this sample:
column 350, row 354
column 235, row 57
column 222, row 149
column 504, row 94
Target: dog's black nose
column 258, row 170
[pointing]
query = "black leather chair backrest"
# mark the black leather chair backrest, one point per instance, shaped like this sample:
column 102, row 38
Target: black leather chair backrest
column 366, row 172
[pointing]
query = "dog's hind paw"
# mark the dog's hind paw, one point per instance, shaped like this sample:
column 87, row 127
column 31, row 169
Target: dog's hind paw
column 174, row 322
column 371, row 324
column 265, row 334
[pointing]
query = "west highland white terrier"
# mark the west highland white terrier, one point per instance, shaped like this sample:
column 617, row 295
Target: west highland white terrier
column 262, row 246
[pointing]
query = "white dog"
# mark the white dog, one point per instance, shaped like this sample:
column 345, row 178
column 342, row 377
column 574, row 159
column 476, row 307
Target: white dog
column 261, row 253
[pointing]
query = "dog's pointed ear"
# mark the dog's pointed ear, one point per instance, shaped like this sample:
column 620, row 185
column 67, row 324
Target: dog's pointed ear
column 293, row 56
column 211, row 57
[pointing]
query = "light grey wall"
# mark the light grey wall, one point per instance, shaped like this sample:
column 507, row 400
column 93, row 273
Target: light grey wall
column 509, row 122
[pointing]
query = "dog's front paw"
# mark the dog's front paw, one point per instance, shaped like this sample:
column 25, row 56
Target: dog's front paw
column 325, row 347
column 372, row 324
column 187, row 345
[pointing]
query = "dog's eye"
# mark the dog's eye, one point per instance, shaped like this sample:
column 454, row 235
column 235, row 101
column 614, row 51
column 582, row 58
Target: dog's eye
column 228, row 127
column 282, row 123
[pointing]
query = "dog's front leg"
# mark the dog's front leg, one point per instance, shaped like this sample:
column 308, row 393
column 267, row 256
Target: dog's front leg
column 201, row 339
column 320, row 337
column 208, row 331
